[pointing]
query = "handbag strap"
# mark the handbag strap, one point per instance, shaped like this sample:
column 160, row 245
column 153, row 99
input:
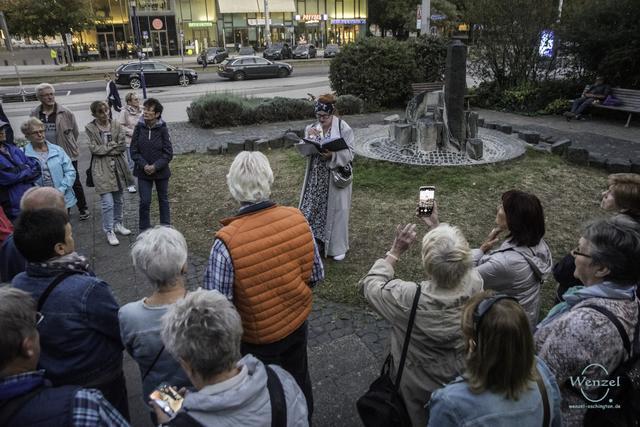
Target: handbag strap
column 407, row 337
column 153, row 363
column 56, row 281
column 278, row 401
column 545, row 399
column 617, row 324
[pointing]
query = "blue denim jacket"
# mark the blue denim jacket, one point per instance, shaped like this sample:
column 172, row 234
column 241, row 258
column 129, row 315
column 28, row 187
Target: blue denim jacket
column 457, row 405
column 79, row 335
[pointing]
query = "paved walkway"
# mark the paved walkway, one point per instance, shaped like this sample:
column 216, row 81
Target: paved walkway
column 346, row 344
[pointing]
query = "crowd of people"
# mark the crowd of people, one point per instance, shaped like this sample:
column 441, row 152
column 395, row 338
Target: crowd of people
column 481, row 350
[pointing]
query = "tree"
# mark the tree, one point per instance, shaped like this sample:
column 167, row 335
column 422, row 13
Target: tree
column 41, row 18
column 507, row 35
column 611, row 47
column 399, row 16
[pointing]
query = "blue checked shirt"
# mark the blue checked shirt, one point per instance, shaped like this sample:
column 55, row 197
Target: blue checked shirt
column 90, row 408
column 220, row 275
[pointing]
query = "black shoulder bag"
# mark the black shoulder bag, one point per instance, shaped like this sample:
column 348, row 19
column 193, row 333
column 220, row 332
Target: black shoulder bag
column 89, row 181
column 55, row 282
column 382, row 405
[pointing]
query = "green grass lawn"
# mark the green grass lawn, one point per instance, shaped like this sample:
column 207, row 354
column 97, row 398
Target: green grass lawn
column 385, row 194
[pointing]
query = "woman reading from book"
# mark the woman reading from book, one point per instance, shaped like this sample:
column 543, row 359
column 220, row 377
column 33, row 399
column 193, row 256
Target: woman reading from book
column 326, row 193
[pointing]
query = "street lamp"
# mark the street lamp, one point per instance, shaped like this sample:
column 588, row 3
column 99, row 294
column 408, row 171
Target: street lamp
column 138, row 41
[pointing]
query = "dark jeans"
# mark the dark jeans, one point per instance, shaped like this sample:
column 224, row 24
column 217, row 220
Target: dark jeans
column 115, row 391
column 144, row 189
column 291, row 354
column 77, row 189
column 581, row 104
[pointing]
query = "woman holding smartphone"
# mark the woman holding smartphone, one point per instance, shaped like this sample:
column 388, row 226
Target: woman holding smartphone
column 326, row 192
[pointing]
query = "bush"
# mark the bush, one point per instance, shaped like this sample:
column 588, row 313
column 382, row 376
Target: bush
column 216, row 110
column 377, row 70
column 543, row 97
column 220, row 110
column 349, row 104
column 557, row 106
column 430, row 54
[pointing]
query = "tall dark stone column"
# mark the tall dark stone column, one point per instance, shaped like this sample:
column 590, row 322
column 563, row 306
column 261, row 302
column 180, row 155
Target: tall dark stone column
column 455, row 83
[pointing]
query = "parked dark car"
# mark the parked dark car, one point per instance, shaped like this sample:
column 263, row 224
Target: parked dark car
column 246, row 51
column 155, row 74
column 248, row 67
column 214, row 55
column 278, row 51
column 304, row 51
column 331, row 50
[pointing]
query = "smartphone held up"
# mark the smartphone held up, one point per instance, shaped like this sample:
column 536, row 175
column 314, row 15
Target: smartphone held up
column 426, row 200
column 168, row 399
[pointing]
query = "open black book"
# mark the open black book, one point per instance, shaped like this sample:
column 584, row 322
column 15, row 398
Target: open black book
column 308, row 146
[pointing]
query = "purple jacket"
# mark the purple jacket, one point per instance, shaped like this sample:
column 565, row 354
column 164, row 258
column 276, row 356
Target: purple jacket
column 17, row 174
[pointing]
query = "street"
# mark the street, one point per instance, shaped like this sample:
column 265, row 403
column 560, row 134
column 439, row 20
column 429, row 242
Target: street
column 78, row 96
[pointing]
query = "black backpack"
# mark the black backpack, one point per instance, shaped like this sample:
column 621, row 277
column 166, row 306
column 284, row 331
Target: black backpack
column 624, row 398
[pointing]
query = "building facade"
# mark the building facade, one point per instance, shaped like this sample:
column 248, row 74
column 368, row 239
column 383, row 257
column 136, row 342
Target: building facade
column 160, row 24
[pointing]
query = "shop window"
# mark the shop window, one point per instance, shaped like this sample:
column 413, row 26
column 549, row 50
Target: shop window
column 239, row 20
column 349, row 9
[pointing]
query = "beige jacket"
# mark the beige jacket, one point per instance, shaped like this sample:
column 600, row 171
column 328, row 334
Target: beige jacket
column 66, row 130
column 436, row 351
column 109, row 165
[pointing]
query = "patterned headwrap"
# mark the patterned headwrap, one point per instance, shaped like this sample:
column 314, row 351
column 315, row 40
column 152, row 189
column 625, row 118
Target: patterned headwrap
column 321, row 106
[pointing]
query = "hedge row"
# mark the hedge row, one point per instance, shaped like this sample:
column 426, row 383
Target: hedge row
column 223, row 110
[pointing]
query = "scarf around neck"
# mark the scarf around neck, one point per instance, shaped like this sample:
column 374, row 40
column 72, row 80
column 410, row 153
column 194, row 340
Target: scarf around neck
column 577, row 294
column 68, row 262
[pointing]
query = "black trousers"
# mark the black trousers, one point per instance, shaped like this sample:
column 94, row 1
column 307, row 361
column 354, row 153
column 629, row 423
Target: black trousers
column 291, row 354
column 77, row 189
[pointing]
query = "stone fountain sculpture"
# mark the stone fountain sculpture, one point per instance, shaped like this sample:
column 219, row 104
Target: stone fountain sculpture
column 437, row 121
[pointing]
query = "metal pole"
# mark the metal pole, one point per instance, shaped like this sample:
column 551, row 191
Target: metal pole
column 138, row 34
column 426, row 16
column 267, row 28
column 7, row 35
column 182, row 50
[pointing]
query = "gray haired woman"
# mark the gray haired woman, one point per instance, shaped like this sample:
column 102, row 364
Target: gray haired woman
column 575, row 338
column 203, row 331
column 436, row 353
column 160, row 254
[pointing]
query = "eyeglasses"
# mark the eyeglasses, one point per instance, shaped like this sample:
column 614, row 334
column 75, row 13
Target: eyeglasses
column 484, row 306
column 322, row 116
column 39, row 318
column 576, row 252
column 37, row 131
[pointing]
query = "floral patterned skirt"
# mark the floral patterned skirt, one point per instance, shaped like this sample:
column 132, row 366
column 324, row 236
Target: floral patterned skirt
column 315, row 196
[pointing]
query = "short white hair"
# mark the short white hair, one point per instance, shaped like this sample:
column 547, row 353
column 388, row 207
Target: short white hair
column 30, row 123
column 203, row 329
column 43, row 86
column 250, row 177
column 446, row 256
column 160, row 253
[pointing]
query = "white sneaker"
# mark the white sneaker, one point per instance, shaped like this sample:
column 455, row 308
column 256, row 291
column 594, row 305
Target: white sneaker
column 113, row 240
column 131, row 189
column 339, row 257
column 121, row 229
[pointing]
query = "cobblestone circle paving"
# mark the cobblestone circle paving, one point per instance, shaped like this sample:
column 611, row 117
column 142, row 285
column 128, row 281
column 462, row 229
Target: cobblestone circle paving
column 374, row 142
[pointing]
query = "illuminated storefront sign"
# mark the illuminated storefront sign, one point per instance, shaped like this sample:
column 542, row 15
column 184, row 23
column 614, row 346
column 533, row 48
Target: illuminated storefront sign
column 356, row 21
column 200, row 24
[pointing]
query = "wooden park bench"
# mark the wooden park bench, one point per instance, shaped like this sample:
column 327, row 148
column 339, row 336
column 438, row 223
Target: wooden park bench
column 630, row 100
column 418, row 88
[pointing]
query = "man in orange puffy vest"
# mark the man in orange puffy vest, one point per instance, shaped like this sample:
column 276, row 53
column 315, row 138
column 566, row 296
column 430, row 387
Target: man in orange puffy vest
column 266, row 261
